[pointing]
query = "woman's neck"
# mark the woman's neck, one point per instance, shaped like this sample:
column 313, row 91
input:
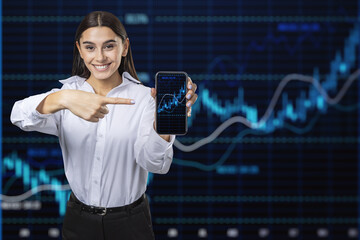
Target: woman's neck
column 104, row 86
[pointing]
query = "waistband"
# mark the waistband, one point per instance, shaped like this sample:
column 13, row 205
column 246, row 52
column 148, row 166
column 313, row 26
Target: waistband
column 102, row 210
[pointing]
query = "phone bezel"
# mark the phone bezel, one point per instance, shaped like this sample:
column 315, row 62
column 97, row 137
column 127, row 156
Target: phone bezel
column 156, row 102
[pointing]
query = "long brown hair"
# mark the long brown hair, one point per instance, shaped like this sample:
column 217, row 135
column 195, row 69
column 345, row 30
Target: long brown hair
column 105, row 19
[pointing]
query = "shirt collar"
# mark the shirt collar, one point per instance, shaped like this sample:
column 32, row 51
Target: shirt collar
column 129, row 78
column 72, row 79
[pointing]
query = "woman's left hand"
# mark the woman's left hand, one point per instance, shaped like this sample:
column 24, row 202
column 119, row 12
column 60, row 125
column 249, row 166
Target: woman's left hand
column 191, row 96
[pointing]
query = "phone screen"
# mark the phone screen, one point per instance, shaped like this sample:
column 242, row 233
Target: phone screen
column 171, row 115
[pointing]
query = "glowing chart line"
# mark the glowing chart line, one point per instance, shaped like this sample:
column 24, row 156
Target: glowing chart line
column 270, row 109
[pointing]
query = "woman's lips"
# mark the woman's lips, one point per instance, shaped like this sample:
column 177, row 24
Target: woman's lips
column 102, row 68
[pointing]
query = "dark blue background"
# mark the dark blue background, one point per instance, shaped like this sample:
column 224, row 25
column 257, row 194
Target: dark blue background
column 298, row 179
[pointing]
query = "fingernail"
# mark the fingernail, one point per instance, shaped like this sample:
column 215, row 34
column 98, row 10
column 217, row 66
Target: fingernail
column 188, row 104
column 190, row 86
column 188, row 96
column 132, row 101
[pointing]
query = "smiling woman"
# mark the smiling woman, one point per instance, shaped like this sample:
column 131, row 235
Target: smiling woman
column 108, row 142
column 102, row 51
column 108, row 20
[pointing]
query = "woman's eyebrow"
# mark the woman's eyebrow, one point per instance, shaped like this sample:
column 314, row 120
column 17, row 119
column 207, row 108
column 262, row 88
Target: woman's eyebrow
column 108, row 41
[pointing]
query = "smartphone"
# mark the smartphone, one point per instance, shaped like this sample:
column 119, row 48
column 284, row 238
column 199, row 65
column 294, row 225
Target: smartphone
column 171, row 110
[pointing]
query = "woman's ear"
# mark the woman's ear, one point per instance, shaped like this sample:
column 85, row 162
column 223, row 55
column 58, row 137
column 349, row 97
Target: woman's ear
column 78, row 47
column 126, row 47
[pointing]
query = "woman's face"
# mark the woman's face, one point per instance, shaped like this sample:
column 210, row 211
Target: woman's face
column 101, row 49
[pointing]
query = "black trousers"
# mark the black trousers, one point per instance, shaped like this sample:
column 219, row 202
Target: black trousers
column 130, row 224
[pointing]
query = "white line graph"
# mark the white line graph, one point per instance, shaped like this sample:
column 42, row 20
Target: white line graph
column 33, row 191
column 167, row 94
column 270, row 108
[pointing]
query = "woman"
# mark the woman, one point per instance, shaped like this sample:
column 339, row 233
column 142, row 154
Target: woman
column 104, row 118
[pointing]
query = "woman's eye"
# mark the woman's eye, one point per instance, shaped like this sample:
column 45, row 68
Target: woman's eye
column 109, row 46
column 89, row 48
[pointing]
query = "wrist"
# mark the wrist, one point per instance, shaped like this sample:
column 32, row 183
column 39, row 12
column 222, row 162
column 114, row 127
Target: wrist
column 63, row 99
column 53, row 102
column 165, row 137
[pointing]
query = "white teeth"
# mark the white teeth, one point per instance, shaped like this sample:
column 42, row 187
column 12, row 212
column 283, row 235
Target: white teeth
column 102, row 66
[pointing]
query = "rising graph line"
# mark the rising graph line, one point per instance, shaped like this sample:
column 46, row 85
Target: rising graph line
column 270, row 109
column 175, row 100
column 242, row 134
column 174, row 97
column 342, row 63
column 231, row 147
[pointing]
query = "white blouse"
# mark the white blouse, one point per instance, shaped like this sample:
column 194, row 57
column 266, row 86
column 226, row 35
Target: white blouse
column 106, row 163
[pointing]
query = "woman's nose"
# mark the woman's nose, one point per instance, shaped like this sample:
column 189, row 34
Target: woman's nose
column 100, row 56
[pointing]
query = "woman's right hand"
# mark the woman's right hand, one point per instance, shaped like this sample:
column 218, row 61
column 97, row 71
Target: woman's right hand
column 86, row 105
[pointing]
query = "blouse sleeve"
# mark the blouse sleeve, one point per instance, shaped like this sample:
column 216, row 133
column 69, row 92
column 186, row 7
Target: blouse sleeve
column 25, row 116
column 152, row 152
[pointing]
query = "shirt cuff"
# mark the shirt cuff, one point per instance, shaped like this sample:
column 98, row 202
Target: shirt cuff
column 35, row 114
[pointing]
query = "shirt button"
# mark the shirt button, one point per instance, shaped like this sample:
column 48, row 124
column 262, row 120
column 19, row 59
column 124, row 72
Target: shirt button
column 96, row 182
column 98, row 158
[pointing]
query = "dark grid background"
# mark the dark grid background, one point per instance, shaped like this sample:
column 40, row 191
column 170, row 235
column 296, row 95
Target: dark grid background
column 299, row 181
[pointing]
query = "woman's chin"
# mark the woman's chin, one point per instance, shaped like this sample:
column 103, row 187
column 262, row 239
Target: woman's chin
column 102, row 76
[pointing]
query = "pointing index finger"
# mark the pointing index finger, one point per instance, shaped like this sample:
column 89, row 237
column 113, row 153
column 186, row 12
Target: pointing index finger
column 115, row 100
